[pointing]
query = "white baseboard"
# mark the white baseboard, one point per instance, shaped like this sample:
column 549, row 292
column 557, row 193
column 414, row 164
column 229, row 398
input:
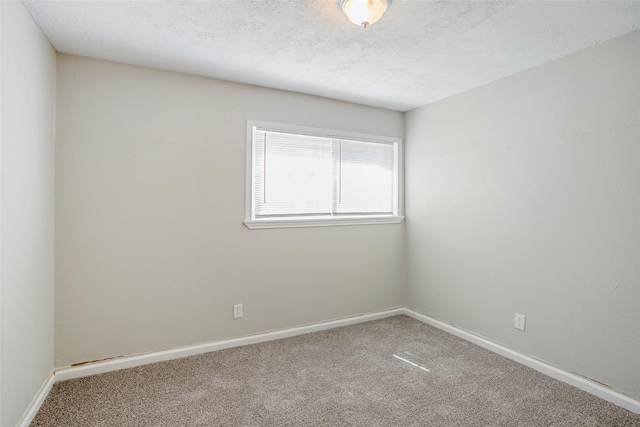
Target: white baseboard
column 573, row 379
column 37, row 401
column 124, row 362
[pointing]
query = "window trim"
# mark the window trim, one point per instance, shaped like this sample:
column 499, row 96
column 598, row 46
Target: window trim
column 320, row 221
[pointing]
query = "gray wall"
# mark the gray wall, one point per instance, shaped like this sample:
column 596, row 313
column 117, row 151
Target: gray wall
column 26, row 224
column 151, row 251
column 524, row 196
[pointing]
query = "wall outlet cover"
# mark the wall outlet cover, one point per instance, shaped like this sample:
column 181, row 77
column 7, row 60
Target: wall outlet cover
column 237, row 311
column 520, row 321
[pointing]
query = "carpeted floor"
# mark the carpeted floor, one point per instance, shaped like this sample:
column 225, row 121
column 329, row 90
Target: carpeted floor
column 390, row 372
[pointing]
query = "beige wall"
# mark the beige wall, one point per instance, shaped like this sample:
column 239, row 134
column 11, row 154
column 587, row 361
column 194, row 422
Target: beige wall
column 151, row 251
column 524, row 196
column 26, row 224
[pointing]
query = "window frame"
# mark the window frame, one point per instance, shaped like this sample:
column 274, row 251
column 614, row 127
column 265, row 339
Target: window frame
column 316, row 221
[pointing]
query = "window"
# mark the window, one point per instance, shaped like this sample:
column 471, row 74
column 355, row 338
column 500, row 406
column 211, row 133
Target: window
column 298, row 177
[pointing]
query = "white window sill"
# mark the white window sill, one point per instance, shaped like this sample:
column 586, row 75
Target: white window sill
column 321, row 222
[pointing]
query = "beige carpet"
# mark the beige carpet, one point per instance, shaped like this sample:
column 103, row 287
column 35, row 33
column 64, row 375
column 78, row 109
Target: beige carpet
column 391, row 372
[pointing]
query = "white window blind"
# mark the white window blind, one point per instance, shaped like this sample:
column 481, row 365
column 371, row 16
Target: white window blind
column 297, row 176
column 364, row 178
column 293, row 174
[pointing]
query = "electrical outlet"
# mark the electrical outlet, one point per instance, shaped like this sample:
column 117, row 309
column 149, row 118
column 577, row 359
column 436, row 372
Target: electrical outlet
column 237, row 311
column 519, row 323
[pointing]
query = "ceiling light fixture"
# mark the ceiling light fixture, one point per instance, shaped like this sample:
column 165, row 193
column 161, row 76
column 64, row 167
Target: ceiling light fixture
column 364, row 12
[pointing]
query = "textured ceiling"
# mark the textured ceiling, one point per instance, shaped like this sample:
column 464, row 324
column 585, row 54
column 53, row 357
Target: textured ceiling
column 419, row 52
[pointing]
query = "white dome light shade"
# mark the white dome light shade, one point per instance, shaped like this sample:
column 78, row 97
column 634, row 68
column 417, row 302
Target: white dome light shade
column 364, row 12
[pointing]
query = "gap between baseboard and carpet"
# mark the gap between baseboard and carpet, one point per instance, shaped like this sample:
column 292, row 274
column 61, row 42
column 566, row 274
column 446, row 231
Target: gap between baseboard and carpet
column 123, row 362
